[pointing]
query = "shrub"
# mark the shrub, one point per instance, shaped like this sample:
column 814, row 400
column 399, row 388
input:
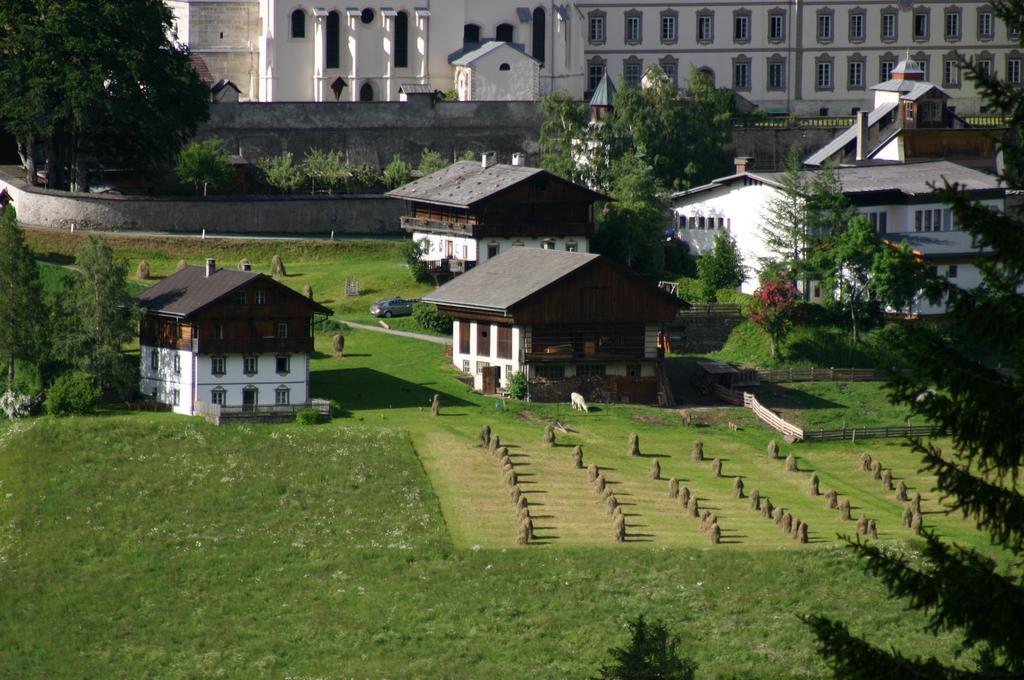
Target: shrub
column 206, row 165
column 548, row 438
column 277, row 267
column 72, row 393
column 655, row 471
column 690, row 290
column 307, row 416
column 396, row 173
column 324, row 170
column 697, row 454
column 430, row 162
column 142, row 271
column 428, row 317
column 413, row 252
column 14, row 405
column 338, row 343
column 634, row 444
column 517, row 385
column 281, row 172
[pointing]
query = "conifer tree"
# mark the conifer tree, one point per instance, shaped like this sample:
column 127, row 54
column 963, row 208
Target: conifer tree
column 958, row 388
column 784, row 224
column 22, row 316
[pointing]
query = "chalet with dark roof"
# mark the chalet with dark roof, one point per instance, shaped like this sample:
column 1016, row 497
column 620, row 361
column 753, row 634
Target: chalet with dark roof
column 225, row 337
column 470, row 211
column 572, row 322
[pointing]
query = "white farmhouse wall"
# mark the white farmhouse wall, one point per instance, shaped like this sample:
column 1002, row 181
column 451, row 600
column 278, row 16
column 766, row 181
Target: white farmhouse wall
column 160, row 383
column 488, row 82
column 743, row 209
column 465, row 248
column 474, row 360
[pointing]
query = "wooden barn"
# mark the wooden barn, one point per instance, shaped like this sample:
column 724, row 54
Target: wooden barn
column 572, row 322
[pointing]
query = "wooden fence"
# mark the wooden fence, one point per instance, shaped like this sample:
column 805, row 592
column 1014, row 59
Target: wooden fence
column 787, row 375
column 792, row 433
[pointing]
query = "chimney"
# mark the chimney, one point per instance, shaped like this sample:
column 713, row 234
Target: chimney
column 211, row 266
column 744, row 164
column 487, row 159
column 518, row 159
column 863, row 130
column 246, row 266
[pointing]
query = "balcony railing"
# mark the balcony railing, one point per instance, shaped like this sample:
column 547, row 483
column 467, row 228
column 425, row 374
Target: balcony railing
column 251, row 345
column 450, row 265
column 575, row 348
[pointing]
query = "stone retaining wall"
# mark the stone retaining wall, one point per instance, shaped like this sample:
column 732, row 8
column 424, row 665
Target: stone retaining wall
column 344, row 214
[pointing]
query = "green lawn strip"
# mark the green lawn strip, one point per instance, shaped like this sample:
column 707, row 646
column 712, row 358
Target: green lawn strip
column 832, row 405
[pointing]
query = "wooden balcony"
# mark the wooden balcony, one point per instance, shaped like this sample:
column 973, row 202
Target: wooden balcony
column 555, row 349
column 251, row 345
column 502, row 229
column 450, row 265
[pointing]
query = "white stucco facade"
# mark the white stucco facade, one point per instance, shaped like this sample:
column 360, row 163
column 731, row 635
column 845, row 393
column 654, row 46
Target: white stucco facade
column 441, row 246
column 739, row 207
column 498, row 73
column 179, row 378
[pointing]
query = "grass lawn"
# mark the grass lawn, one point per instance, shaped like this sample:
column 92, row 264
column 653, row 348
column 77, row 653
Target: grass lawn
column 324, row 265
column 813, row 405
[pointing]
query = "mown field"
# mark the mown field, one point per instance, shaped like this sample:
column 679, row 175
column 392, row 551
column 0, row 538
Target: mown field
column 382, row 544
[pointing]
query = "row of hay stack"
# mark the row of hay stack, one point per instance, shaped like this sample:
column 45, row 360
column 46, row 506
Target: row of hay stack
column 492, row 444
column 708, row 521
column 607, row 497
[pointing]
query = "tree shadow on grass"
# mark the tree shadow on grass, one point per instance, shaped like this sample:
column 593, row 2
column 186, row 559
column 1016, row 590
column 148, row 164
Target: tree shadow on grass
column 775, row 396
column 363, row 389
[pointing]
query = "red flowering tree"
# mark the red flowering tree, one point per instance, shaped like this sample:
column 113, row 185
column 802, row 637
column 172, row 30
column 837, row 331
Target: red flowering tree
column 775, row 308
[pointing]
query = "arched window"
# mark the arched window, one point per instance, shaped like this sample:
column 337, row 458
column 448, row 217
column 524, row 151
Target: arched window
column 539, row 29
column 504, row 67
column 332, row 36
column 470, row 34
column 366, row 93
column 401, row 40
column 298, row 24
column 503, row 33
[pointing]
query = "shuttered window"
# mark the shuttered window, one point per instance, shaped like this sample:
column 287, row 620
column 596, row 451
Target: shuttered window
column 463, row 337
column 505, row 342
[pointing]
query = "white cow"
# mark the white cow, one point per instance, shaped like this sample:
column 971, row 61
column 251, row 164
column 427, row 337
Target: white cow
column 578, row 402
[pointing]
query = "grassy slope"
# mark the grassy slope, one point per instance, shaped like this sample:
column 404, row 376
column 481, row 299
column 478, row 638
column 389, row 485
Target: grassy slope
column 834, row 404
column 805, row 346
column 324, row 265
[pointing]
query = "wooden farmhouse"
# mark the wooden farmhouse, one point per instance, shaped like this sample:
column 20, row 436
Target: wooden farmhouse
column 471, row 211
column 572, row 322
column 234, row 339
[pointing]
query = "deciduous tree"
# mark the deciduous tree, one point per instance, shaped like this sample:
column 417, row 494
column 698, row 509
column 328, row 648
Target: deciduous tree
column 722, row 267
column 774, row 309
column 22, row 313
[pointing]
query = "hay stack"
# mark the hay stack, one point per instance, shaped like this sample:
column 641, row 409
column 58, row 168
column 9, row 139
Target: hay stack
column 527, row 527
column 872, row 530
column 673, row 488
column 844, row 510
column 777, row 517
column 592, row 473
column 737, row 488
column 862, row 525
column 620, row 532
column 504, row 460
column 864, row 462
column 522, row 503
column 704, row 514
column 716, row 467
column 522, row 538
column 697, row 453
column 577, row 457
column 684, row 497
column 338, row 344
column 773, row 449
column 655, row 471
column 908, row 516
column 548, row 438
column 802, row 537
column 915, row 503
column 435, row 405
column 791, row 465
column 181, row 265
column 887, row 480
column 600, row 483
column 715, row 534
column 634, row 444
column 142, row 271
column 277, row 267
column 755, row 500
column 243, row 264
column 484, row 438
column 611, row 504
column 787, row 523
column 767, row 508
column 876, row 470
column 916, row 523
column 831, row 500
column 797, row 523
column 496, row 445
column 516, row 493
column 307, row 290
column 812, row 485
column 901, row 491
column 692, row 509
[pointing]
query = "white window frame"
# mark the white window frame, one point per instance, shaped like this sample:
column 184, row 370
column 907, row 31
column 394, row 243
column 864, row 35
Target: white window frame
column 953, row 25
column 633, row 29
column 669, row 28
column 597, row 33
column 282, row 396
column 250, row 361
column 890, row 27
column 223, row 365
column 824, row 28
column 218, row 395
column 780, row 35
column 823, row 78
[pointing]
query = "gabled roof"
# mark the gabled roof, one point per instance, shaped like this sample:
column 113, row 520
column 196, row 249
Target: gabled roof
column 843, row 138
column 909, row 89
column 501, row 282
column 464, row 183
column 604, row 93
column 470, row 54
column 416, row 88
column 189, row 290
column 910, row 179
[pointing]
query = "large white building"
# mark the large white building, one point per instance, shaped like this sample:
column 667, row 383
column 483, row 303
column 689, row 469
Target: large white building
column 225, row 337
column 898, row 199
column 808, row 58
